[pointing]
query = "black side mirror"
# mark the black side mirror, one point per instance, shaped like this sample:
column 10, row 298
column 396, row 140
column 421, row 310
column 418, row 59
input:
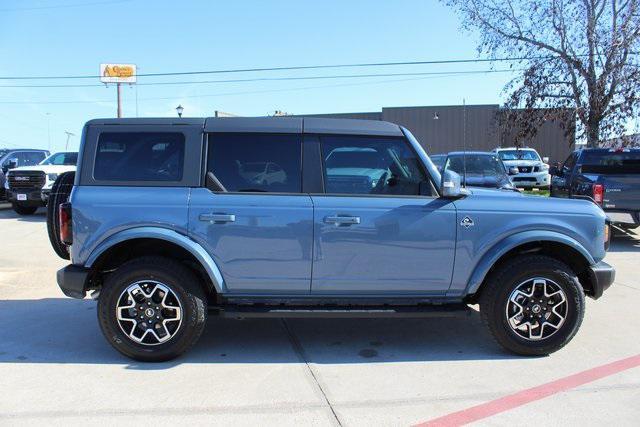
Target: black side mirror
column 12, row 164
column 513, row 170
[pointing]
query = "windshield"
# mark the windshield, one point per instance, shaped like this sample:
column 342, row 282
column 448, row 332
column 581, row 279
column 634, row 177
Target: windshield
column 438, row 159
column 64, row 159
column 518, row 155
column 475, row 165
column 611, row 162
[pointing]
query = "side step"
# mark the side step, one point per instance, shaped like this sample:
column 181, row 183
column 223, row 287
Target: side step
column 286, row 311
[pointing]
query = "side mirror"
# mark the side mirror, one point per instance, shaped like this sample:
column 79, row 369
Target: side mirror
column 545, row 160
column 450, row 185
column 12, row 164
column 513, row 170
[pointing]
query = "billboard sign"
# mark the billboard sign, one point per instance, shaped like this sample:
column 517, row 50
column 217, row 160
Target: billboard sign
column 118, row 73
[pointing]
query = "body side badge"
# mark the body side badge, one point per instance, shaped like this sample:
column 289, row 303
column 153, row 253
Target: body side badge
column 467, row 222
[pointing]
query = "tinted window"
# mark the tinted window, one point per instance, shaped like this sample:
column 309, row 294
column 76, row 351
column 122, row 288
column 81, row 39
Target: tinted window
column 64, row 159
column 475, row 164
column 611, row 162
column 139, row 156
column 370, row 165
column 26, row 158
column 254, row 162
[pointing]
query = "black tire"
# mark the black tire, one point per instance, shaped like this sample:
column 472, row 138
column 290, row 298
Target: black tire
column 175, row 276
column 24, row 210
column 498, row 288
column 59, row 194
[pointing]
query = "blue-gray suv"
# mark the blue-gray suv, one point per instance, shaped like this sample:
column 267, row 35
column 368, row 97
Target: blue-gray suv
column 169, row 220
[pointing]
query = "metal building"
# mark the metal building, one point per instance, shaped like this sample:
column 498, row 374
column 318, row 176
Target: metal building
column 440, row 129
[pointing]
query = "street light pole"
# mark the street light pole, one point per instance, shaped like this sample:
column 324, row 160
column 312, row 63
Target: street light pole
column 119, row 102
column 69, row 135
column 179, row 110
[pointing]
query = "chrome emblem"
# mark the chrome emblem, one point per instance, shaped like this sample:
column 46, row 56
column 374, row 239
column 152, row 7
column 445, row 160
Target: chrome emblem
column 22, row 178
column 467, row 222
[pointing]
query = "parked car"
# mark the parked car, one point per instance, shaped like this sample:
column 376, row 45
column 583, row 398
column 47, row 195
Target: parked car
column 533, row 172
column 480, row 169
column 611, row 177
column 28, row 187
column 438, row 160
column 189, row 235
column 14, row 157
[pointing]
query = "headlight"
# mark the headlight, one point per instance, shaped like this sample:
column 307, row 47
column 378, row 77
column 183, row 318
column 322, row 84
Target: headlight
column 544, row 167
column 52, row 176
column 607, row 236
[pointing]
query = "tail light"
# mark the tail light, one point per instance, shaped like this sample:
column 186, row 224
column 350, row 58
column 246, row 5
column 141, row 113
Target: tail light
column 598, row 193
column 66, row 227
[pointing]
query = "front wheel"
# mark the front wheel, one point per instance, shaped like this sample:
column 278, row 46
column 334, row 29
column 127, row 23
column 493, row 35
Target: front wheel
column 533, row 305
column 152, row 309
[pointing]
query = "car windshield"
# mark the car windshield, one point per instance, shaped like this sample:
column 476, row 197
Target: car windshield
column 438, row 160
column 475, row 164
column 518, row 155
column 63, row 159
column 254, row 167
column 611, row 162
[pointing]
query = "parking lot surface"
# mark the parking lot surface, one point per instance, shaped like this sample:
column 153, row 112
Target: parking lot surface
column 56, row 368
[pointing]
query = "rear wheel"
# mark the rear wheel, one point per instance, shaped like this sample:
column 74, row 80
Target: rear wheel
column 60, row 193
column 24, row 210
column 533, row 305
column 152, row 309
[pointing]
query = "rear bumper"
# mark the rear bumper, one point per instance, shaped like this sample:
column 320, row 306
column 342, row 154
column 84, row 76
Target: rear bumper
column 624, row 217
column 72, row 280
column 602, row 276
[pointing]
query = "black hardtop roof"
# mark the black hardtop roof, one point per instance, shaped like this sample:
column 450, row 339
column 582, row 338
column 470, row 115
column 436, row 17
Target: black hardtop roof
column 267, row 124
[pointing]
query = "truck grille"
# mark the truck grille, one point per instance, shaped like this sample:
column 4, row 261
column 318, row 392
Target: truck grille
column 23, row 180
column 524, row 169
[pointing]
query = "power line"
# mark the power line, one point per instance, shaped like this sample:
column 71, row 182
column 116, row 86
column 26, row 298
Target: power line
column 292, row 68
column 63, row 6
column 265, row 79
column 225, row 93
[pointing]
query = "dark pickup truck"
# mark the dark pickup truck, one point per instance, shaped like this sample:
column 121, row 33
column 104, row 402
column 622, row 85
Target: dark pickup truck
column 611, row 177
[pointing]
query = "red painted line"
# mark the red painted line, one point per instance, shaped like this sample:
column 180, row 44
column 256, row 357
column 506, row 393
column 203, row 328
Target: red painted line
column 506, row 403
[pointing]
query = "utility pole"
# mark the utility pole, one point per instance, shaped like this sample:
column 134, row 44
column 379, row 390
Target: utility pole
column 119, row 101
column 48, row 131
column 69, row 135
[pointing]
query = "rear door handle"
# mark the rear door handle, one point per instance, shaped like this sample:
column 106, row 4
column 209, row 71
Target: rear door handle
column 342, row 220
column 219, row 218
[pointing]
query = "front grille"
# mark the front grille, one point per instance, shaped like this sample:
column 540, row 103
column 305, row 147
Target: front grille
column 26, row 181
column 524, row 169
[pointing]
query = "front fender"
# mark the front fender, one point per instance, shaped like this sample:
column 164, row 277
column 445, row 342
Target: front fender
column 167, row 235
column 513, row 241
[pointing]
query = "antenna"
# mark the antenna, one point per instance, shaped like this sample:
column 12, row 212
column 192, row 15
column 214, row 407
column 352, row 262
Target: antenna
column 464, row 143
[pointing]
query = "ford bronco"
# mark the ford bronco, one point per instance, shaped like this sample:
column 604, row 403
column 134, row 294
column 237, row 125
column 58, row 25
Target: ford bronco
column 165, row 223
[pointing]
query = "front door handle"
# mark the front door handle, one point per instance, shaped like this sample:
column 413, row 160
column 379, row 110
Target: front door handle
column 342, row 220
column 215, row 217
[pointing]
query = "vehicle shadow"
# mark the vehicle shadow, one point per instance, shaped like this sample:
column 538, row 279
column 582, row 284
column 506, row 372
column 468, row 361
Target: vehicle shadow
column 61, row 330
column 6, row 212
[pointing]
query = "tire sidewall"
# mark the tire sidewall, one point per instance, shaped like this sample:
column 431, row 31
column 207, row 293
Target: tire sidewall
column 192, row 312
column 575, row 301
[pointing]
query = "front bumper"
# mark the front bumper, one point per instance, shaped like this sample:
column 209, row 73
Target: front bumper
column 33, row 197
column 73, row 280
column 533, row 179
column 602, row 276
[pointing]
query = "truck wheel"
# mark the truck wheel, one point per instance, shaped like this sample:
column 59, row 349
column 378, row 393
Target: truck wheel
column 60, row 192
column 152, row 309
column 533, row 305
column 24, row 210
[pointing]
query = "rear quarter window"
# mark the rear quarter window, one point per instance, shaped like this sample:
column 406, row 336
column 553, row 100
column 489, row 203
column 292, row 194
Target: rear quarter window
column 140, row 156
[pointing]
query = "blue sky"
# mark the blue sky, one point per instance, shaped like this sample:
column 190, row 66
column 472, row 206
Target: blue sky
column 72, row 37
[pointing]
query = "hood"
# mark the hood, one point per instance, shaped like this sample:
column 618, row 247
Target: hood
column 490, row 181
column 510, row 163
column 45, row 168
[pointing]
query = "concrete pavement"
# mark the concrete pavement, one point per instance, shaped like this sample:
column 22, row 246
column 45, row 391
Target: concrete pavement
column 56, row 368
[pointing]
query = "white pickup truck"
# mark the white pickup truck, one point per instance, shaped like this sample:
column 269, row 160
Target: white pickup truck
column 28, row 187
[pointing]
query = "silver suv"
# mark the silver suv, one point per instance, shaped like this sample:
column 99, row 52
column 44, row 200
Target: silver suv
column 533, row 172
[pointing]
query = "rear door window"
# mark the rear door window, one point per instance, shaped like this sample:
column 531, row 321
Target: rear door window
column 140, row 156
column 611, row 162
column 255, row 162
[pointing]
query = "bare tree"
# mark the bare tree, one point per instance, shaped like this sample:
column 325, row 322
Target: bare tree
column 576, row 54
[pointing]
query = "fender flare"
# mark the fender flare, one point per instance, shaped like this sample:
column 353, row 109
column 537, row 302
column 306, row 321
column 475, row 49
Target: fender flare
column 167, row 235
column 510, row 242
